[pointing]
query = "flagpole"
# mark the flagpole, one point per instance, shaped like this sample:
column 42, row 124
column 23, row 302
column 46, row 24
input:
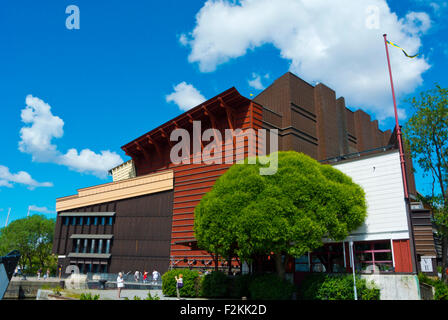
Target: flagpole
column 7, row 218
column 397, row 126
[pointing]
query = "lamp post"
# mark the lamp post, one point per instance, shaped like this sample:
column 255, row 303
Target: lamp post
column 352, row 263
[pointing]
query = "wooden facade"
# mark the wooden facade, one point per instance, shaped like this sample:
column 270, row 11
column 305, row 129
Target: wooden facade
column 309, row 119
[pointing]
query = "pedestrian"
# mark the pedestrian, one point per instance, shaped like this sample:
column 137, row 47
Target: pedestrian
column 39, row 272
column 179, row 284
column 48, row 273
column 145, row 276
column 136, row 276
column 155, row 277
column 120, row 284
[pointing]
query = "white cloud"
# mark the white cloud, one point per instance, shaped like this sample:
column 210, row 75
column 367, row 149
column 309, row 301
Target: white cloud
column 185, row 96
column 8, row 179
column 33, row 208
column 325, row 41
column 255, row 82
column 36, row 140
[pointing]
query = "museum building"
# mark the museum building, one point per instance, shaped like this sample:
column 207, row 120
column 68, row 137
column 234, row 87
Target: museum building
column 144, row 219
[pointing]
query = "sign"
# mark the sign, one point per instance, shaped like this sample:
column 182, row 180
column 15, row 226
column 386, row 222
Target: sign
column 426, row 264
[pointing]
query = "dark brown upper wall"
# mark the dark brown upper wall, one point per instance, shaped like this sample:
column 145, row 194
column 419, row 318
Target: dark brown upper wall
column 141, row 231
column 311, row 120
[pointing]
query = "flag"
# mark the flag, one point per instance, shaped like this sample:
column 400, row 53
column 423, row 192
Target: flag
column 391, row 43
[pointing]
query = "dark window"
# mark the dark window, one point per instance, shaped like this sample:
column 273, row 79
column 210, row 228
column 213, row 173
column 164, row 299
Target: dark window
column 86, row 245
column 73, row 221
column 374, row 255
column 95, row 268
column 66, row 221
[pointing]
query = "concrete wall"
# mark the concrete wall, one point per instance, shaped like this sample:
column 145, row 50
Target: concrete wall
column 26, row 289
column 396, row 286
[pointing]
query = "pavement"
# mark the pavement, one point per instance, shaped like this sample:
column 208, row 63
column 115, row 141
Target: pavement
column 111, row 294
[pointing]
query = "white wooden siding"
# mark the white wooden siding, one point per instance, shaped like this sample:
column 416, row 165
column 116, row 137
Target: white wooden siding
column 380, row 177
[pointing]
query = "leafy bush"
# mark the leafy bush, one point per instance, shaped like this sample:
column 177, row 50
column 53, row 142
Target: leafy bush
column 335, row 287
column 239, row 286
column 214, row 285
column 191, row 283
column 270, row 287
column 150, row 297
column 88, row 296
column 57, row 290
column 441, row 288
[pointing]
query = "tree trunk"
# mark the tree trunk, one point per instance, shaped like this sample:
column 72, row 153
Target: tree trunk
column 279, row 265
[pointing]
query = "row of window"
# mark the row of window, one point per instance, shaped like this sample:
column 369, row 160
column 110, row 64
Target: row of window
column 369, row 257
column 79, row 221
column 92, row 267
column 91, row 245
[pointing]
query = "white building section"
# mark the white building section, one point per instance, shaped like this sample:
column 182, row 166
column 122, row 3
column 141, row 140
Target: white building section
column 380, row 177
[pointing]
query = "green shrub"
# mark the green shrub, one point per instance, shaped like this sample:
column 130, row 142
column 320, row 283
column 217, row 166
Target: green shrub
column 336, row 287
column 214, row 285
column 239, row 286
column 88, row 296
column 270, row 287
column 191, row 283
column 57, row 290
column 441, row 288
column 150, row 297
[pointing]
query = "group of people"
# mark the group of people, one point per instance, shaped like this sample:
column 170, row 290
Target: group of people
column 155, row 276
column 46, row 275
column 120, row 279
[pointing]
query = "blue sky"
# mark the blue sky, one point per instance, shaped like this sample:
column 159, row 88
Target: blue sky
column 130, row 65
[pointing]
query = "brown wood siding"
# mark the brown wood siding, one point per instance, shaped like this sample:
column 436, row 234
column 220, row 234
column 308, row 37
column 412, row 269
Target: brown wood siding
column 141, row 232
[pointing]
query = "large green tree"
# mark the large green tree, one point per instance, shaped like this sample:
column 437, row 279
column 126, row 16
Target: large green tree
column 426, row 136
column 33, row 237
column 288, row 213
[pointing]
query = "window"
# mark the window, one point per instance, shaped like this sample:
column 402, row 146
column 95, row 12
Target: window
column 103, row 221
column 77, row 245
column 73, row 221
column 100, row 246
column 95, row 268
column 87, row 221
column 80, row 221
column 110, row 221
column 86, row 244
column 66, row 221
column 371, row 256
column 95, row 221
column 108, row 246
column 302, row 264
column 92, row 248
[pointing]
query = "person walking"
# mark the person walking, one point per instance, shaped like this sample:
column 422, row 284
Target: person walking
column 39, row 272
column 136, row 276
column 120, row 284
column 179, row 284
column 145, row 276
column 48, row 273
column 155, row 277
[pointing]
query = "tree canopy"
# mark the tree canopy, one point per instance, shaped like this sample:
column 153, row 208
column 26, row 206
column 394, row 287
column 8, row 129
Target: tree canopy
column 33, row 237
column 426, row 137
column 290, row 212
